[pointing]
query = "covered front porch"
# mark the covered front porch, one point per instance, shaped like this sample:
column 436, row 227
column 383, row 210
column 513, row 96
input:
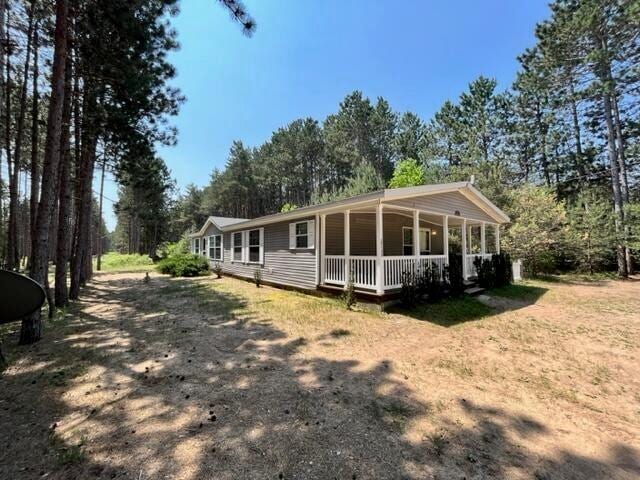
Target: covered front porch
column 377, row 244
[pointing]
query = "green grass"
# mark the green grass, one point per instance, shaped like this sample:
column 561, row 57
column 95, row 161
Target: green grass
column 519, row 291
column 574, row 277
column 449, row 312
column 121, row 262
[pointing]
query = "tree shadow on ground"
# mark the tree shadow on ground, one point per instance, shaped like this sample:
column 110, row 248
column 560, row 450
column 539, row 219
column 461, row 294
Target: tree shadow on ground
column 176, row 379
column 454, row 311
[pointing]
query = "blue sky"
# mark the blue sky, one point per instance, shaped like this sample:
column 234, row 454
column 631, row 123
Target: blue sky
column 305, row 56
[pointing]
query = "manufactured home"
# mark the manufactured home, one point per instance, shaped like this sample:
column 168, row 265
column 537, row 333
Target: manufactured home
column 373, row 238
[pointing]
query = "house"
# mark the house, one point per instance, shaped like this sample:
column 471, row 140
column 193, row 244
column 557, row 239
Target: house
column 373, row 237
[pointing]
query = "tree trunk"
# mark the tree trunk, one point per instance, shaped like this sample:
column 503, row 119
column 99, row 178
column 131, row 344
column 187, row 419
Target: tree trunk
column 22, row 111
column 31, row 330
column 99, row 244
column 12, row 238
column 84, row 209
column 35, row 138
column 615, row 185
column 3, row 8
column 64, row 197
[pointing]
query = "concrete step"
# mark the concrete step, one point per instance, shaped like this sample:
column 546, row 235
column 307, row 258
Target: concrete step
column 474, row 291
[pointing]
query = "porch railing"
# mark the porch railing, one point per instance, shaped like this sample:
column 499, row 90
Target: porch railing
column 470, row 258
column 394, row 267
column 363, row 269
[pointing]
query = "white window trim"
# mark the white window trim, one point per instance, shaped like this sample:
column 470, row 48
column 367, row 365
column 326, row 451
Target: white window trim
column 407, row 244
column 233, row 247
column 428, row 230
column 213, row 242
column 414, row 239
column 260, row 245
column 293, row 236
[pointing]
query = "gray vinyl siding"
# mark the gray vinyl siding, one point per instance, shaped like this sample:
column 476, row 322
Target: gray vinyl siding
column 363, row 234
column 447, row 204
column 282, row 265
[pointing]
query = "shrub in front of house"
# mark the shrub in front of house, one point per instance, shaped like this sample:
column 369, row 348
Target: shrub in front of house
column 349, row 294
column 184, row 265
column 257, row 277
column 494, row 272
column 217, row 269
column 454, row 276
column 411, row 289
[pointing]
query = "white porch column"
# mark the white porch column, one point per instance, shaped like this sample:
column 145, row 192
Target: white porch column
column 483, row 247
column 416, row 233
column 379, row 251
column 347, row 246
column 497, row 235
column 464, row 248
column 323, row 243
column 445, row 238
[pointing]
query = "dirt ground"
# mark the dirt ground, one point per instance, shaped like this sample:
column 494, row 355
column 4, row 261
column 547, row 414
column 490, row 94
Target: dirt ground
column 216, row 379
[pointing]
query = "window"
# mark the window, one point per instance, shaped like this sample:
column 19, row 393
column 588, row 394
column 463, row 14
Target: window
column 254, row 246
column 237, row 246
column 215, row 247
column 301, row 235
column 407, row 241
column 424, row 238
column 425, row 241
column 196, row 246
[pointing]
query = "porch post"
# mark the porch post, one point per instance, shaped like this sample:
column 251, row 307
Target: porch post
column 464, row 248
column 379, row 251
column 347, row 247
column 323, row 243
column 416, row 234
column 497, row 237
column 483, row 248
column 445, row 238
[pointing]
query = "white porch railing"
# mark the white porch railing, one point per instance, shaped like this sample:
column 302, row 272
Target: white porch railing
column 470, row 258
column 363, row 269
column 394, row 267
column 334, row 269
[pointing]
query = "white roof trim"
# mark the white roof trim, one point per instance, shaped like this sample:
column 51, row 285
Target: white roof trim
column 465, row 188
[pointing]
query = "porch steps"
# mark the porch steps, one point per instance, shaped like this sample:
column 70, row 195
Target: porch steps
column 473, row 291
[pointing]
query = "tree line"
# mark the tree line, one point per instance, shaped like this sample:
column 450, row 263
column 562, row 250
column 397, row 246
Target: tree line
column 568, row 125
column 84, row 87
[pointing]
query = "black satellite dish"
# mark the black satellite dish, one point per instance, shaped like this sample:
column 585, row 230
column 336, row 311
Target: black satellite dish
column 19, row 296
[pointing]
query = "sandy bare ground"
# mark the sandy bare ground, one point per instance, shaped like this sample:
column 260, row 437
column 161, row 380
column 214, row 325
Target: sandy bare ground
column 215, row 379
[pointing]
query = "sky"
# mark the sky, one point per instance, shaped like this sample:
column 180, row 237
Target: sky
column 306, row 56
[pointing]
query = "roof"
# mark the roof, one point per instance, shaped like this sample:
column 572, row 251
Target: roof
column 220, row 222
column 465, row 188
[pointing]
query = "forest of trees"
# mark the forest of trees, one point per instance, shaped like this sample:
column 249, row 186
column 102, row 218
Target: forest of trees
column 83, row 88
column 564, row 137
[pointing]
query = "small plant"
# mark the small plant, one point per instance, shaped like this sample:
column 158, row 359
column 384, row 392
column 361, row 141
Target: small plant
column 217, row 269
column 257, row 277
column 502, row 268
column 349, row 294
column 438, row 443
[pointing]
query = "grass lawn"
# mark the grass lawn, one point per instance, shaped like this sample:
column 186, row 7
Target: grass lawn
column 217, row 379
column 121, row 262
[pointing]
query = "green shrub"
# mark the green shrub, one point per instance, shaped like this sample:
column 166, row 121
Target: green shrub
column 411, row 288
column 217, row 269
column 434, row 284
column 502, row 268
column 184, row 265
column 349, row 294
column 454, row 275
column 170, row 249
column 257, row 277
